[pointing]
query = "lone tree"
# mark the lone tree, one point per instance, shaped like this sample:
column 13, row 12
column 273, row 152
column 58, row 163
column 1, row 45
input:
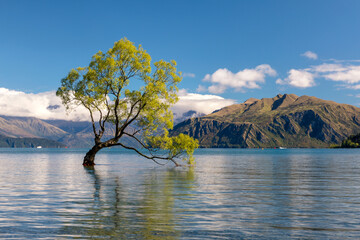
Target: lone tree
column 106, row 89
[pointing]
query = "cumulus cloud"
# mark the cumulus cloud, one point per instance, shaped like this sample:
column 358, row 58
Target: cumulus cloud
column 349, row 74
column 298, row 78
column 247, row 78
column 310, row 55
column 44, row 105
column 346, row 73
column 200, row 103
column 190, row 75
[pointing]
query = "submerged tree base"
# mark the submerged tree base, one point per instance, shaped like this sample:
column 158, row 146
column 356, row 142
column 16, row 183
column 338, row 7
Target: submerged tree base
column 89, row 159
column 87, row 164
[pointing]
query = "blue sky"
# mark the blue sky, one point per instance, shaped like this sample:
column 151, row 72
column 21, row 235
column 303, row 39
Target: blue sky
column 219, row 45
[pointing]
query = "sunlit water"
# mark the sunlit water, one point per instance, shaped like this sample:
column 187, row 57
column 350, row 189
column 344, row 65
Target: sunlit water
column 229, row 194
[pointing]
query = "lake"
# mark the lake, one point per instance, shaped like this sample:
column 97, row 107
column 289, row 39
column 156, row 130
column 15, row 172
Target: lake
column 229, row 194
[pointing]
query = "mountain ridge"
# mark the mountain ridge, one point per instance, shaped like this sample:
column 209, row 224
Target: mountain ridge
column 284, row 120
column 27, row 132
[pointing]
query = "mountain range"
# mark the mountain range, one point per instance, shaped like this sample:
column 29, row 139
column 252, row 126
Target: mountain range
column 33, row 132
column 284, row 120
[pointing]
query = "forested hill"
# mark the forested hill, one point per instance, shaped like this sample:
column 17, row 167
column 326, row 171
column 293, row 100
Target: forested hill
column 284, row 120
column 9, row 142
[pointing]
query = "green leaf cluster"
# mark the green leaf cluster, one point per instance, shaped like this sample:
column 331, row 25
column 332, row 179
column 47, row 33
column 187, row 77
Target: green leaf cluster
column 106, row 89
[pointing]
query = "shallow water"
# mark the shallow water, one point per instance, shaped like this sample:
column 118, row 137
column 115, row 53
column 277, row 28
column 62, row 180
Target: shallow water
column 229, row 194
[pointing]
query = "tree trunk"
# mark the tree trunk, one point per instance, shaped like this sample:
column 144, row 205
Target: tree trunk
column 89, row 159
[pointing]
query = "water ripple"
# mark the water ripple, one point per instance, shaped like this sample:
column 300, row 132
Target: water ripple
column 230, row 194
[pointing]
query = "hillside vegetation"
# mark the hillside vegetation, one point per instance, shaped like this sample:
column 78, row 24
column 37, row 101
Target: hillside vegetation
column 351, row 142
column 285, row 120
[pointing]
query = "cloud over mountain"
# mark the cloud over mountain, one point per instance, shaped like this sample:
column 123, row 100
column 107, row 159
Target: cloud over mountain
column 47, row 105
column 199, row 102
column 298, row 78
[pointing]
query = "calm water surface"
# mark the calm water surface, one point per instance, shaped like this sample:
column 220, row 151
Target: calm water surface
column 229, row 194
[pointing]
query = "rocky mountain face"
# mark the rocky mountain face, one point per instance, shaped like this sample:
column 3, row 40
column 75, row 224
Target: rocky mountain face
column 28, row 131
column 33, row 132
column 285, row 120
column 78, row 134
column 28, row 127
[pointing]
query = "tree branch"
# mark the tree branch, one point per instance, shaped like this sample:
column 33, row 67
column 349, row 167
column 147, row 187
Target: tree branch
column 92, row 119
column 107, row 106
column 149, row 157
column 140, row 142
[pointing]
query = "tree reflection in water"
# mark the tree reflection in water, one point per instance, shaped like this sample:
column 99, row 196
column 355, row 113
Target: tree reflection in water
column 121, row 212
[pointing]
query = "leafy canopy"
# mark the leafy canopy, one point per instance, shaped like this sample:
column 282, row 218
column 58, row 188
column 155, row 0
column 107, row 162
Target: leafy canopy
column 105, row 88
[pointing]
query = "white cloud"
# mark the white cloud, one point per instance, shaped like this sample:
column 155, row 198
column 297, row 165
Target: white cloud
column 326, row 68
column 349, row 74
column 346, row 73
column 247, row 78
column 217, row 89
column 343, row 61
column 201, row 88
column 310, row 55
column 190, row 75
column 44, row 105
column 280, row 81
column 199, row 102
column 355, row 87
column 47, row 105
column 298, row 78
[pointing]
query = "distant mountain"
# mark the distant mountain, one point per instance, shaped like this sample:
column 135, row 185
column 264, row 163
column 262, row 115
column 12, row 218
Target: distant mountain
column 29, row 130
column 9, row 142
column 178, row 118
column 285, row 120
column 65, row 133
column 29, row 127
column 78, row 134
column 71, row 127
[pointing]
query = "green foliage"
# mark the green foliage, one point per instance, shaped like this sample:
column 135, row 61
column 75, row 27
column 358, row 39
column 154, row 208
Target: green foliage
column 351, row 142
column 176, row 145
column 106, row 89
